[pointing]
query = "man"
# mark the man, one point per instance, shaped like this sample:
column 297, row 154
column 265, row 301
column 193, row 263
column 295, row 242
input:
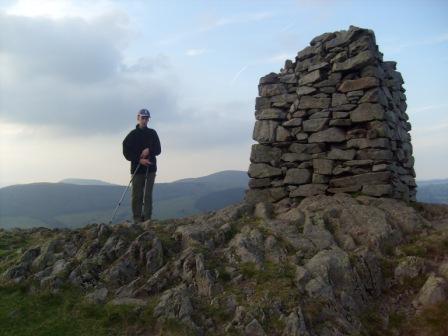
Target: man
column 141, row 146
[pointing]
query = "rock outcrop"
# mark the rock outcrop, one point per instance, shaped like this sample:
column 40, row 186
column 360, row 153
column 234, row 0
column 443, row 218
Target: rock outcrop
column 334, row 120
column 316, row 268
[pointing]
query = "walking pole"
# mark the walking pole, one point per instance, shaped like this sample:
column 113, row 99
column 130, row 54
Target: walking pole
column 124, row 193
column 144, row 192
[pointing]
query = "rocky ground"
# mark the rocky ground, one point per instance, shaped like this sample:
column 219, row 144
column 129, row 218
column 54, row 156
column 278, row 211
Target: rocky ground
column 330, row 265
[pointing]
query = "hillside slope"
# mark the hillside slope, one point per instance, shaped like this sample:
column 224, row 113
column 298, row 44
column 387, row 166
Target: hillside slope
column 59, row 205
column 81, row 202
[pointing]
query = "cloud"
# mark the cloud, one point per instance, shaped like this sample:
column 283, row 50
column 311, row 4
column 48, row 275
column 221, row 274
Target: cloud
column 70, row 74
column 57, row 9
column 234, row 79
column 215, row 22
column 195, row 52
column 214, row 125
column 397, row 47
column 210, row 23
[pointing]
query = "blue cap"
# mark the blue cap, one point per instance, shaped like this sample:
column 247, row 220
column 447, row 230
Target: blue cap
column 144, row 113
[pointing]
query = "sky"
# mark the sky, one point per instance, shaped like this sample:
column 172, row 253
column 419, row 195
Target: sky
column 74, row 73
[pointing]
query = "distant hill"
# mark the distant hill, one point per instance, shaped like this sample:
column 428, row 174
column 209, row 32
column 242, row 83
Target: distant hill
column 84, row 181
column 77, row 202
column 70, row 204
column 433, row 191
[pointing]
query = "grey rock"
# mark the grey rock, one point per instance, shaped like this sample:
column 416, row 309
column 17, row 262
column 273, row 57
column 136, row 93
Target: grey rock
column 307, row 148
column 378, row 190
column 375, row 154
column 380, row 167
column 306, row 190
column 282, row 134
column 352, row 163
column 270, row 78
column 98, row 296
column 360, row 60
column 270, row 113
column 297, row 176
column 314, row 125
column 288, row 79
column 295, row 324
column 340, row 122
column 261, row 170
column 307, row 52
column 359, row 84
column 305, row 90
column 264, row 131
column 339, row 154
column 443, row 270
column 362, row 179
column 433, row 291
column 294, row 215
column 268, row 90
column 318, row 115
column 367, row 112
column 254, row 328
column 355, row 94
column 310, row 78
column 264, row 154
column 318, row 66
column 308, row 102
column 322, row 38
column 345, row 107
column 301, row 137
column 323, row 166
column 320, row 179
column 263, row 210
column 259, row 182
column 293, row 157
column 362, row 143
column 408, row 268
column 293, row 122
column 332, row 134
column 247, row 246
column 375, row 95
column 338, row 99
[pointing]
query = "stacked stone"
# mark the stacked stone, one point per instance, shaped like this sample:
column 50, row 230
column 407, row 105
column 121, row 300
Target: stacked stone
column 332, row 121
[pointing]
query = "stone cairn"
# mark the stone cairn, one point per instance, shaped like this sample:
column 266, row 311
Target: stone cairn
column 332, row 121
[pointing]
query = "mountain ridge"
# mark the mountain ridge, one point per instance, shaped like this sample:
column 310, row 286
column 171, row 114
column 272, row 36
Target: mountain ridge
column 73, row 205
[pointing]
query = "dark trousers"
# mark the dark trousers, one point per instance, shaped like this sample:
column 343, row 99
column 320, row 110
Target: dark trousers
column 138, row 186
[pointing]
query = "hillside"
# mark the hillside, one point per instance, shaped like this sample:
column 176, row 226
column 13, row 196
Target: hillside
column 84, row 181
column 73, row 205
column 329, row 265
column 77, row 202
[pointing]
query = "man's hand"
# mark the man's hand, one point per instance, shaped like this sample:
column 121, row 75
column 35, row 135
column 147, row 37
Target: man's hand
column 145, row 162
column 145, row 153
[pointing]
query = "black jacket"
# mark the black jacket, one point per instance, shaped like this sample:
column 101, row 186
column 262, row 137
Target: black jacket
column 135, row 142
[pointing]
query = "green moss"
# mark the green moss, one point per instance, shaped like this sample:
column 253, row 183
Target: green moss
column 414, row 250
column 372, row 323
column 166, row 235
column 175, row 327
column 431, row 321
column 22, row 313
column 396, row 320
column 388, row 266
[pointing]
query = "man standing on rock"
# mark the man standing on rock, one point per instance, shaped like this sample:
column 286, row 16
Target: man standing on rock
column 141, row 146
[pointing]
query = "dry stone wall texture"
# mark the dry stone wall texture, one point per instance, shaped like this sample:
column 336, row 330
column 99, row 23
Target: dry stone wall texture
column 334, row 120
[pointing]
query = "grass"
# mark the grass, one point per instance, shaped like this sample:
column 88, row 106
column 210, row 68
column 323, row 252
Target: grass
column 64, row 313
column 11, row 246
column 434, row 246
column 431, row 322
